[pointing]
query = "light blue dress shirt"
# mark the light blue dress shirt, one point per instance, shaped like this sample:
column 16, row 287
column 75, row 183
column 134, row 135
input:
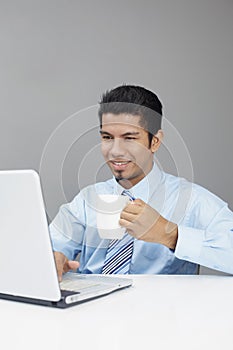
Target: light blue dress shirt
column 205, row 227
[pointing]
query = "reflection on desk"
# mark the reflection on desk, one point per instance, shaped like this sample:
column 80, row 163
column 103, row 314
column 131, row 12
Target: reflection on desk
column 158, row 312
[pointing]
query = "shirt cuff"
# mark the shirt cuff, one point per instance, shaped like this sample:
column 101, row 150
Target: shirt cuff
column 189, row 243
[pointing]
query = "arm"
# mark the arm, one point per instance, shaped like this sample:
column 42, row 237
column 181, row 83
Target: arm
column 207, row 240
column 66, row 232
column 211, row 246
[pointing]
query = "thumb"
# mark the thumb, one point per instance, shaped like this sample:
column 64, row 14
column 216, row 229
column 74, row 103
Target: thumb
column 73, row 265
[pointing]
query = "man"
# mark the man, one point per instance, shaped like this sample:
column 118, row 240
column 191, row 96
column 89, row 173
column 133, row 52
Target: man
column 172, row 225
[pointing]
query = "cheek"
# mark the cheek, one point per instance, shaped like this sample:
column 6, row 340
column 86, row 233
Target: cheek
column 138, row 150
column 104, row 149
column 142, row 157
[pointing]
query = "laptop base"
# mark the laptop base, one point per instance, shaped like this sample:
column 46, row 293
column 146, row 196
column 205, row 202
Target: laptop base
column 61, row 304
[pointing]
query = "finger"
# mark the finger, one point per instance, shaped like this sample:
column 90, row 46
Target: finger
column 70, row 265
column 125, row 223
column 73, row 265
column 138, row 202
column 59, row 272
column 59, row 260
column 128, row 216
column 133, row 208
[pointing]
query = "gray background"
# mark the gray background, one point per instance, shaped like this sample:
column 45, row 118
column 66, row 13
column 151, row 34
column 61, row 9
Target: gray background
column 58, row 57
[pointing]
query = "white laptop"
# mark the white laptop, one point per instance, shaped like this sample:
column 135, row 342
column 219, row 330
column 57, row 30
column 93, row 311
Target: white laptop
column 27, row 267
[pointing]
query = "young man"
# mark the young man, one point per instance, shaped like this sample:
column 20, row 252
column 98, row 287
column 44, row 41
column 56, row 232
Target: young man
column 172, row 225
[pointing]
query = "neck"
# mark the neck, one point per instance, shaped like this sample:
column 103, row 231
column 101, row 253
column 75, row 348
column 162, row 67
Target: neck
column 127, row 184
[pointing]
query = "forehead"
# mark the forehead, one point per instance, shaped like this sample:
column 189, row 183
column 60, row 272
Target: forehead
column 122, row 120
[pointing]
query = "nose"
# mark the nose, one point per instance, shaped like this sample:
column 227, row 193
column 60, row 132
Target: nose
column 117, row 148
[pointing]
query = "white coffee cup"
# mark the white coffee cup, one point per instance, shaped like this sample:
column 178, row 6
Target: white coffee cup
column 108, row 211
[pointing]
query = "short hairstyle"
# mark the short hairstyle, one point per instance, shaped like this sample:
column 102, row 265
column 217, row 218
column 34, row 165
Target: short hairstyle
column 135, row 100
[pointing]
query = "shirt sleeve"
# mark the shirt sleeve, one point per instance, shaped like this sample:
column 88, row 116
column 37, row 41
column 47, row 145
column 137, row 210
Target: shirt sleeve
column 207, row 237
column 67, row 228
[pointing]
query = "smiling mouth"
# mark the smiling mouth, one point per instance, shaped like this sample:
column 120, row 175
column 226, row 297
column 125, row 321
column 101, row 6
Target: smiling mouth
column 119, row 165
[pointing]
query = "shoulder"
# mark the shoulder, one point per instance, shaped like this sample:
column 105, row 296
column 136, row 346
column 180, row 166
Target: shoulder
column 203, row 198
column 197, row 197
column 203, row 205
column 197, row 191
column 176, row 184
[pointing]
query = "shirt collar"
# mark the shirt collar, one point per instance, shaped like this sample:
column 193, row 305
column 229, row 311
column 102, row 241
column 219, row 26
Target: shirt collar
column 146, row 187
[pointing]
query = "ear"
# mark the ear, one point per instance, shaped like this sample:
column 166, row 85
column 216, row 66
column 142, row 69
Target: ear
column 156, row 141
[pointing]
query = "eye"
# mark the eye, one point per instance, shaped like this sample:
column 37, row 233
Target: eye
column 130, row 138
column 106, row 137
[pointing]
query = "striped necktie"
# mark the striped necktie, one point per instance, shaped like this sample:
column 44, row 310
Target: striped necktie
column 119, row 252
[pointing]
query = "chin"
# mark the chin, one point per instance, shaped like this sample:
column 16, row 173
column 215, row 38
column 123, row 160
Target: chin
column 118, row 176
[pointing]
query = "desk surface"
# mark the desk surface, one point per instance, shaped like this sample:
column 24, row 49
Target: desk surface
column 158, row 312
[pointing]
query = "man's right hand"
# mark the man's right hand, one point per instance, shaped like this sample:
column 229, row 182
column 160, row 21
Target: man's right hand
column 64, row 265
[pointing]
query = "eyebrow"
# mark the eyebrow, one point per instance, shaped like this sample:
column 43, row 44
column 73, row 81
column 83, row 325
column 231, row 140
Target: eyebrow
column 125, row 134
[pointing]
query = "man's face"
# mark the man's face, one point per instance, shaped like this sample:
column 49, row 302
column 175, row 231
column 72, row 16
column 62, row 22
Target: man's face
column 125, row 147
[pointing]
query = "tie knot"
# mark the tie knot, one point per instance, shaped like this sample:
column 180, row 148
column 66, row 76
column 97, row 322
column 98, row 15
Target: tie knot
column 128, row 193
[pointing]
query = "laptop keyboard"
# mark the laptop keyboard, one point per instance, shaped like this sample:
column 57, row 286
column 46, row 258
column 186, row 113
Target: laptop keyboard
column 81, row 284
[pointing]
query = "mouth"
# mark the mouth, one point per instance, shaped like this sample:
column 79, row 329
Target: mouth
column 119, row 164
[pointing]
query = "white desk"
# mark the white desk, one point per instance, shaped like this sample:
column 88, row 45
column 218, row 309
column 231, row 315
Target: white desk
column 158, row 312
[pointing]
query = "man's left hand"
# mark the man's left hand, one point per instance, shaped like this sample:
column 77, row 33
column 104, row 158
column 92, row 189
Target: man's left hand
column 145, row 223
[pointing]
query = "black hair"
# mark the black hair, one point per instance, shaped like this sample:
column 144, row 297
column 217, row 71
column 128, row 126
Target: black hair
column 135, row 100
